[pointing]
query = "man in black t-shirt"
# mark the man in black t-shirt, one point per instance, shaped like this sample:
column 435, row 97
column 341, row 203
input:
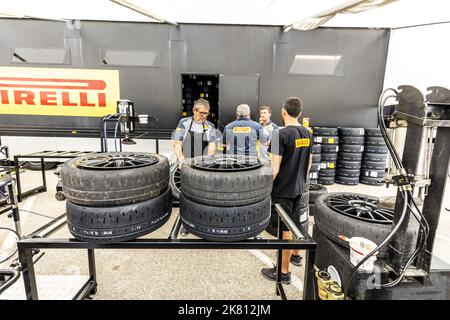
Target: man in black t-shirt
column 291, row 149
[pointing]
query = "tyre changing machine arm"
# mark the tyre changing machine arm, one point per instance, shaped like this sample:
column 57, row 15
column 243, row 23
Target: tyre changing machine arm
column 302, row 241
column 423, row 113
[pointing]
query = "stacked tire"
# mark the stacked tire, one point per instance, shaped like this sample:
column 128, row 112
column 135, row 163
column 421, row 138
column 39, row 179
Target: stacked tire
column 353, row 215
column 114, row 197
column 351, row 147
column 175, row 180
column 374, row 158
column 315, row 191
column 226, row 198
column 304, row 207
column 329, row 141
column 315, row 166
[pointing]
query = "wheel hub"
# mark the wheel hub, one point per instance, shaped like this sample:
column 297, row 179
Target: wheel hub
column 315, row 187
column 226, row 163
column 116, row 161
column 176, row 178
column 360, row 207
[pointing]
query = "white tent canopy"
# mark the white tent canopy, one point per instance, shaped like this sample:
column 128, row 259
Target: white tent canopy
column 260, row 12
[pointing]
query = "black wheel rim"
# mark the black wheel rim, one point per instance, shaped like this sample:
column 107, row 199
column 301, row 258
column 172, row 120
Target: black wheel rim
column 315, row 187
column 176, row 179
column 360, row 207
column 116, row 161
column 226, row 163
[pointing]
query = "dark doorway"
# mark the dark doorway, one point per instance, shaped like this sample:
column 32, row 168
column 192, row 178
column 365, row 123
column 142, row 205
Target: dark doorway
column 196, row 86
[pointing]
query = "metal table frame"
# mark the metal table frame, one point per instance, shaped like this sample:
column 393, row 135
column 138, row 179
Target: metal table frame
column 42, row 155
column 303, row 241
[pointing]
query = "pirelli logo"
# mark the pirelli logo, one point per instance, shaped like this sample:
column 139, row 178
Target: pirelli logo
column 58, row 92
column 305, row 142
column 242, row 130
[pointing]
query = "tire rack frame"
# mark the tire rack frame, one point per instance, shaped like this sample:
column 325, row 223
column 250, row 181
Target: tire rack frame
column 10, row 205
column 302, row 240
column 48, row 154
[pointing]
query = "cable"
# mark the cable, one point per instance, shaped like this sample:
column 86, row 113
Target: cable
column 105, row 137
column 15, row 251
column 383, row 130
column 405, row 193
column 11, row 230
column 395, row 155
column 398, row 161
column 115, row 135
column 420, row 212
column 36, row 213
column 418, row 249
column 115, row 131
column 385, row 241
column 421, row 219
column 9, row 257
column 382, row 125
column 408, row 263
column 109, row 116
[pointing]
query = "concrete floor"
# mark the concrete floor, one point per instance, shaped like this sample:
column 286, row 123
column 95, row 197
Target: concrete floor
column 171, row 274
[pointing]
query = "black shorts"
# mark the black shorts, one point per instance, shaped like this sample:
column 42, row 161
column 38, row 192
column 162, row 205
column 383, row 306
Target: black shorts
column 292, row 206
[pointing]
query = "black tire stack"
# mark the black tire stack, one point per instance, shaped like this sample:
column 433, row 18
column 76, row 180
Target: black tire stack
column 329, row 141
column 315, row 166
column 304, row 207
column 374, row 158
column 221, row 201
column 315, row 191
column 351, row 147
column 114, row 197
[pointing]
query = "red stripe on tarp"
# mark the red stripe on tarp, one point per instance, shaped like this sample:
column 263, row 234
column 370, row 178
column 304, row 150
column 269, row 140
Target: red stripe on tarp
column 85, row 84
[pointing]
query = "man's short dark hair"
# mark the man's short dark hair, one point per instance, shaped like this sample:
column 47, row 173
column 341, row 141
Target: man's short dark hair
column 269, row 109
column 293, row 106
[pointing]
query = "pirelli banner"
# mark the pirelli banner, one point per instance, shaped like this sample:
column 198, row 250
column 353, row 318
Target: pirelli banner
column 58, row 92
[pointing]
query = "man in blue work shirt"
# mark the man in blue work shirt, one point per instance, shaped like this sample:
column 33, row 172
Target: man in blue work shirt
column 265, row 113
column 194, row 136
column 242, row 136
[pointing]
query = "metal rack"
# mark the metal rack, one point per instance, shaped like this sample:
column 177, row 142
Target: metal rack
column 10, row 203
column 4, row 151
column 6, row 165
column 42, row 155
column 53, row 154
column 303, row 241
